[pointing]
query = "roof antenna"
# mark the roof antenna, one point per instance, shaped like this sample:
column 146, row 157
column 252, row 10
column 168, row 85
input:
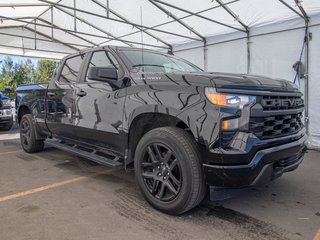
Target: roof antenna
column 142, row 44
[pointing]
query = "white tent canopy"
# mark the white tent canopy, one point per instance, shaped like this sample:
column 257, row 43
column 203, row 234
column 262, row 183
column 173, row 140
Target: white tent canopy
column 242, row 36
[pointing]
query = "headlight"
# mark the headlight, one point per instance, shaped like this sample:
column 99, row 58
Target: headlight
column 228, row 100
column 6, row 103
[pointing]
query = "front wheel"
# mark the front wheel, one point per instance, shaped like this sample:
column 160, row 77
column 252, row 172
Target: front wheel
column 168, row 170
column 28, row 139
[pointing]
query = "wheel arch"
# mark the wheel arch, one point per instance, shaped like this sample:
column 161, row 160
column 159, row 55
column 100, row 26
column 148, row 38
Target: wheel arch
column 22, row 110
column 150, row 117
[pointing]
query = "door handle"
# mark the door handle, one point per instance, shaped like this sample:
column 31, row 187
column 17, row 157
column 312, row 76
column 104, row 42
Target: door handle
column 51, row 94
column 81, row 93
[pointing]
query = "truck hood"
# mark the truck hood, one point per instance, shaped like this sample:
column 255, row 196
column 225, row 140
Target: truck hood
column 218, row 80
column 252, row 82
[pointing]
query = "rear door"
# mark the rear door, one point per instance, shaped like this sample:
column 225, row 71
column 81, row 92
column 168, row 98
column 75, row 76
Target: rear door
column 60, row 99
column 99, row 104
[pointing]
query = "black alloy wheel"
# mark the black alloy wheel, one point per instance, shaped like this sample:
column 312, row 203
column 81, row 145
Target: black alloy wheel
column 161, row 172
column 25, row 132
column 28, row 139
column 168, row 170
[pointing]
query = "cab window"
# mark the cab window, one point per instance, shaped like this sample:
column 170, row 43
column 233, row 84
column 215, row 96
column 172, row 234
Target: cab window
column 71, row 69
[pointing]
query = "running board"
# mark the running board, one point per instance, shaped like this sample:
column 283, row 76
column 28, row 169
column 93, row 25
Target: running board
column 100, row 157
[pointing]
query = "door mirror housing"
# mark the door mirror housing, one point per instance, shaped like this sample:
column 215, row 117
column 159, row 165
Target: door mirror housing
column 103, row 74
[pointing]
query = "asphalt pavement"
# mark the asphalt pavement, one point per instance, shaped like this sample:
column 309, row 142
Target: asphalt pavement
column 55, row 195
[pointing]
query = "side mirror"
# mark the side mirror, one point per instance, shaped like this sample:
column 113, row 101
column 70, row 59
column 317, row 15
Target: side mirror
column 102, row 73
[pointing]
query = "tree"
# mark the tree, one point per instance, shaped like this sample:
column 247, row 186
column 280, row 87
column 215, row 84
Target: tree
column 13, row 74
column 45, row 70
column 29, row 72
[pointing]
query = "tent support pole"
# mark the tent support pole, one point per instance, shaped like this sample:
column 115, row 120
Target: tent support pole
column 205, row 56
column 52, row 22
column 108, row 8
column 307, row 55
column 248, row 53
column 35, row 33
column 306, row 84
column 75, row 15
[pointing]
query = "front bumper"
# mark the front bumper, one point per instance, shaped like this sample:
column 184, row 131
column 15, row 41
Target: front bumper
column 6, row 116
column 265, row 165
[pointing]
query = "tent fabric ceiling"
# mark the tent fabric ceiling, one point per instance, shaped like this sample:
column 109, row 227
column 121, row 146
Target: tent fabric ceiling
column 65, row 26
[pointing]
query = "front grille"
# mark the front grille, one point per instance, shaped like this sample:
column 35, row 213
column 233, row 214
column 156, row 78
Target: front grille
column 270, row 103
column 276, row 126
column 270, row 117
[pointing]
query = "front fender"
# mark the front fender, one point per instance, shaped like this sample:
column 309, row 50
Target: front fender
column 188, row 104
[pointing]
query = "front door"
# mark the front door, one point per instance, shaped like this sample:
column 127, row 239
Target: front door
column 99, row 105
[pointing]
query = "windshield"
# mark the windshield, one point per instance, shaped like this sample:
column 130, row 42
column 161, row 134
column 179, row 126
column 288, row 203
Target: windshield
column 157, row 62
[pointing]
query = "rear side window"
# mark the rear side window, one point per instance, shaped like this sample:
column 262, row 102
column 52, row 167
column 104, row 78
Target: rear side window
column 71, row 69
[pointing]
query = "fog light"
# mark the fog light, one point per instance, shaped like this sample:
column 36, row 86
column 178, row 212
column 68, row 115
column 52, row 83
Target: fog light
column 230, row 124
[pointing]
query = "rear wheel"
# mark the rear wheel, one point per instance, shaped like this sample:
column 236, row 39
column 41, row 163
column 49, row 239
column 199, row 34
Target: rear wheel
column 28, row 135
column 168, row 170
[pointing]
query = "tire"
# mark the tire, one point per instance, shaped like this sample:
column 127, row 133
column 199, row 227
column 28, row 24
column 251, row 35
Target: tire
column 28, row 135
column 172, row 184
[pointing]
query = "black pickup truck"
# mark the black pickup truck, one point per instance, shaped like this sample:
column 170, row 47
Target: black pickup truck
column 184, row 131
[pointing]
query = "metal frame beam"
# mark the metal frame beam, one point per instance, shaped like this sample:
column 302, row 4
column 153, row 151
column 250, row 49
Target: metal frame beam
column 30, row 56
column 172, row 21
column 304, row 13
column 49, row 7
column 39, row 39
column 177, row 20
column 92, row 25
column 199, row 16
column 119, row 20
column 16, row 26
column 74, row 33
column 236, row 17
column 32, row 49
column 54, row 39
column 17, row 5
column 53, row 26
column 291, row 8
column 205, row 49
column 108, row 9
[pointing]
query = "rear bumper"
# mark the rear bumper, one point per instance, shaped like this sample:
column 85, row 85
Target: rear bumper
column 266, row 165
